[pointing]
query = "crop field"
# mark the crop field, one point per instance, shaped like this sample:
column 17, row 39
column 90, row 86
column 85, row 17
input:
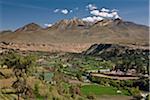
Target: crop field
column 101, row 90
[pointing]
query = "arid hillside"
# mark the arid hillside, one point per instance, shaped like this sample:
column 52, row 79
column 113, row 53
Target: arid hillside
column 76, row 34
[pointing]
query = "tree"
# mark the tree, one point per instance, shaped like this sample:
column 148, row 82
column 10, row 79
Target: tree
column 21, row 66
column 139, row 64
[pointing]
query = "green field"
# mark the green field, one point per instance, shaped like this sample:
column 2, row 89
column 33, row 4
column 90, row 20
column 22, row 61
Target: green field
column 101, row 90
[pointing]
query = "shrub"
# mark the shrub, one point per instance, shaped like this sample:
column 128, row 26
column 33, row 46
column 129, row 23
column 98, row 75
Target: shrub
column 135, row 91
column 75, row 90
column 36, row 89
column 91, row 96
column 79, row 76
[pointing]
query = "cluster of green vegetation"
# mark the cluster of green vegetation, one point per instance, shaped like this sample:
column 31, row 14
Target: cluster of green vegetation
column 23, row 66
column 101, row 90
column 130, row 59
column 49, row 78
column 128, row 85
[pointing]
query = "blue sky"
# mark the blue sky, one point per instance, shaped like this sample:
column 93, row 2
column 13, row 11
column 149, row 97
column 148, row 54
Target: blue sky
column 16, row 13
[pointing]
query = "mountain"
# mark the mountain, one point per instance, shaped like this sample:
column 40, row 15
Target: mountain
column 70, row 24
column 32, row 27
column 76, row 32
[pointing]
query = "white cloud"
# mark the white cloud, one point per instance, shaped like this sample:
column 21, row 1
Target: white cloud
column 65, row 11
column 71, row 11
column 115, row 15
column 95, row 12
column 88, row 19
column 105, row 13
column 92, row 19
column 56, row 10
column 48, row 25
column 105, row 10
column 91, row 7
column 98, row 15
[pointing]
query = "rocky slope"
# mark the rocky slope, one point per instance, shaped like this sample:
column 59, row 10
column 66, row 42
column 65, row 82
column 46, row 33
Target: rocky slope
column 108, row 51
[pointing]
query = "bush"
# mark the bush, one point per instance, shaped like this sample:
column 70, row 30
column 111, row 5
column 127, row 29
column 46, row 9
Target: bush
column 113, row 83
column 36, row 89
column 135, row 91
column 91, row 96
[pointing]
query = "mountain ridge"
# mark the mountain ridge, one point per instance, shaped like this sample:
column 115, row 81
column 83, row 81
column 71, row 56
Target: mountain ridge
column 77, row 31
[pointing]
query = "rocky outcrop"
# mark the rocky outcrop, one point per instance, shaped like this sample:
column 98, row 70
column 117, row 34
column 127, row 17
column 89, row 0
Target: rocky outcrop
column 114, row 50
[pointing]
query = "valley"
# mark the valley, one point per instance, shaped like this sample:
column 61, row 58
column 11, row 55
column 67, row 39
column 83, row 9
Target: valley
column 74, row 50
column 75, row 60
column 102, row 71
